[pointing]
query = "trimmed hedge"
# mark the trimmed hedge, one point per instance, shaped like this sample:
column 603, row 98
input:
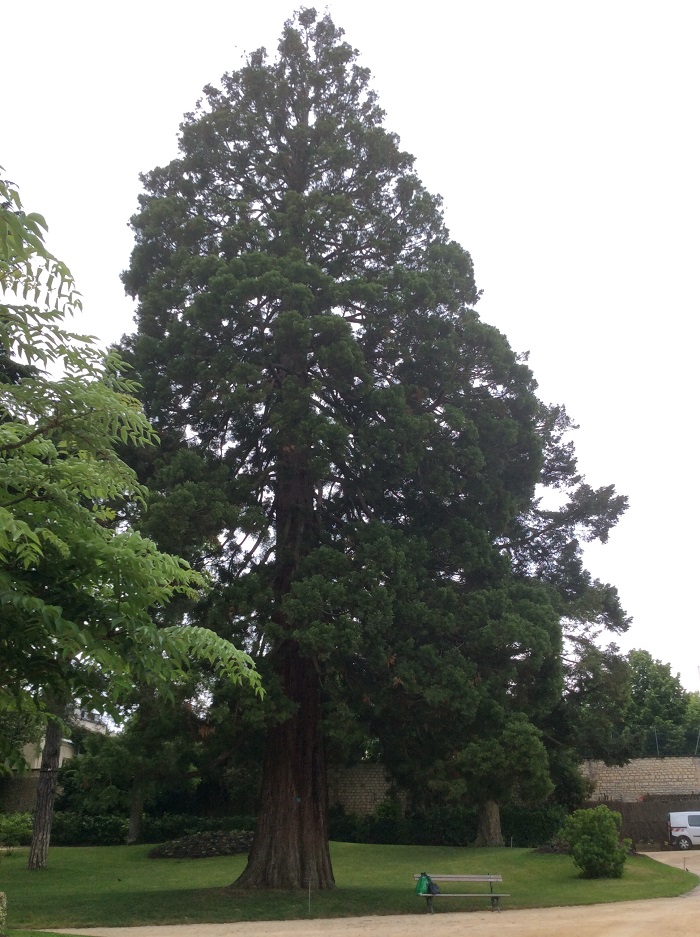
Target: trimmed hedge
column 440, row 826
column 446, row 826
column 77, row 829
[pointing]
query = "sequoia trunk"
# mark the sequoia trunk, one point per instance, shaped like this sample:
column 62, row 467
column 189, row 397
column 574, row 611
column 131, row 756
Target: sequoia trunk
column 46, row 795
column 290, row 848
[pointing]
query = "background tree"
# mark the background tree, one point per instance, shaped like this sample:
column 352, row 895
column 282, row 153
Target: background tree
column 538, row 675
column 77, row 590
column 589, row 719
column 692, row 723
column 157, row 751
column 346, row 444
column 656, row 715
column 173, row 755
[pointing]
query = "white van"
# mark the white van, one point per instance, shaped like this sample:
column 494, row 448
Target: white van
column 684, row 829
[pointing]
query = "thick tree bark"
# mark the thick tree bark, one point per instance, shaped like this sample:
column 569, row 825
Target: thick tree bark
column 290, row 848
column 489, row 828
column 46, row 795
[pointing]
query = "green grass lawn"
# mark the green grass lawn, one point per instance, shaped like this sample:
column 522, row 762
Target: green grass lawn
column 119, row 885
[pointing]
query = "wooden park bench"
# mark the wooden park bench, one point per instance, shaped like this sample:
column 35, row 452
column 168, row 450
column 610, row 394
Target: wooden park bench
column 471, row 879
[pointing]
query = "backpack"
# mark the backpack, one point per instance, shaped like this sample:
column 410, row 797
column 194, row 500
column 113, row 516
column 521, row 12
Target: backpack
column 423, row 884
column 433, row 888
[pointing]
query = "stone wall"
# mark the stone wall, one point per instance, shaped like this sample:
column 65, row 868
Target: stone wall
column 643, row 778
column 643, row 791
column 359, row 789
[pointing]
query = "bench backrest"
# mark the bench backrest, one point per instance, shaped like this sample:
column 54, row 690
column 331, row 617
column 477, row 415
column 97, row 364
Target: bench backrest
column 461, row 878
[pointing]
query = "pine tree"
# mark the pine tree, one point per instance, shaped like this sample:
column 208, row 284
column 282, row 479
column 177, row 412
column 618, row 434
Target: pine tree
column 345, row 444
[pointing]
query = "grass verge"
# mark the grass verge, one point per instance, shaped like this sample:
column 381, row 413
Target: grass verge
column 32, row 933
column 120, row 886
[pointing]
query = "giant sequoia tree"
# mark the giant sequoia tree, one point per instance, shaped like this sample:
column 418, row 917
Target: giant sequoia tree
column 345, row 444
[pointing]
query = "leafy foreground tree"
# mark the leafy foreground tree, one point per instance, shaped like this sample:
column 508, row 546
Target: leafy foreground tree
column 78, row 588
column 346, row 444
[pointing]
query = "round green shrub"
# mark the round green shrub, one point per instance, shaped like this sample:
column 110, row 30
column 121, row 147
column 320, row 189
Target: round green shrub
column 593, row 836
column 15, row 829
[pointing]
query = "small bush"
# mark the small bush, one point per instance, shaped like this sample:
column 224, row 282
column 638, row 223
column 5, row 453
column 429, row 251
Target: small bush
column 15, row 829
column 205, row 845
column 594, row 839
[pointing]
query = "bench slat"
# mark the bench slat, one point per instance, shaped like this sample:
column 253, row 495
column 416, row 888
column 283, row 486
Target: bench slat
column 468, row 894
column 462, row 878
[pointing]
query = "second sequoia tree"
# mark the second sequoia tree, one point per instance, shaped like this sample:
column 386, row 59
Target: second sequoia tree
column 343, row 437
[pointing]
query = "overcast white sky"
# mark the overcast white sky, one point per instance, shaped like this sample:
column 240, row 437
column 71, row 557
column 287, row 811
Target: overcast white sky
column 564, row 138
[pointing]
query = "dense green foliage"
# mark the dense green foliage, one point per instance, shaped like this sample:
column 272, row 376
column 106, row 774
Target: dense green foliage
column 156, row 753
column 15, row 829
column 594, row 838
column 169, row 754
column 445, row 825
column 662, row 718
column 87, row 829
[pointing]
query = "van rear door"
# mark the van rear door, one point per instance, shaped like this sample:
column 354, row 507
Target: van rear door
column 694, row 828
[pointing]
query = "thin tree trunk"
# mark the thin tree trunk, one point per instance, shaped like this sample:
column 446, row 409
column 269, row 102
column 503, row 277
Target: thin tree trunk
column 489, row 829
column 135, row 814
column 290, row 847
column 46, row 795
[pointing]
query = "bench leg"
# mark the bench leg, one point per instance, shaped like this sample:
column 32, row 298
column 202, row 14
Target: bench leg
column 429, row 900
column 495, row 906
